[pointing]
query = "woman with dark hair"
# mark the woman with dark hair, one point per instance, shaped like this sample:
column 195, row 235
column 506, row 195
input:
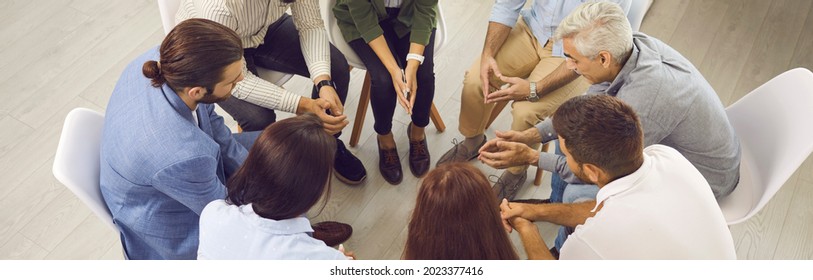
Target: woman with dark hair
column 285, row 174
column 457, row 218
column 395, row 39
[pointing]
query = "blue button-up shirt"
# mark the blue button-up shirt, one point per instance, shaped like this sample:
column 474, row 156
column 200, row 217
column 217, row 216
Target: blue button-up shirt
column 543, row 17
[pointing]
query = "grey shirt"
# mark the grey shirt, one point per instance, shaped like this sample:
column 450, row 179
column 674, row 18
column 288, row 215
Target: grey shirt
column 677, row 108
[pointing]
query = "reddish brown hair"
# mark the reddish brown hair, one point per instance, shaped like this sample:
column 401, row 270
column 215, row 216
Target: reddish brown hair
column 457, row 218
column 195, row 53
column 287, row 170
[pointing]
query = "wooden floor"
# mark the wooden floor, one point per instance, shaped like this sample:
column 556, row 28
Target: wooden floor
column 63, row 54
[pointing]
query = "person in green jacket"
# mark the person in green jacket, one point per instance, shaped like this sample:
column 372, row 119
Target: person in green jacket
column 395, row 40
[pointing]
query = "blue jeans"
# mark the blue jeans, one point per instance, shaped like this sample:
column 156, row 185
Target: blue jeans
column 557, row 185
column 574, row 194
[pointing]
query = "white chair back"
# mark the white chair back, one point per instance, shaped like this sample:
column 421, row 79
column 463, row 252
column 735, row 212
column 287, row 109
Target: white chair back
column 638, row 9
column 334, row 34
column 76, row 164
column 772, row 123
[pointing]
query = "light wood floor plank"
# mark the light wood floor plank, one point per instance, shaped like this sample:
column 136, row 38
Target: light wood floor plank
column 795, row 241
column 663, row 18
column 21, row 248
column 699, row 22
column 732, row 41
column 773, row 50
column 59, row 218
column 90, row 241
column 13, row 132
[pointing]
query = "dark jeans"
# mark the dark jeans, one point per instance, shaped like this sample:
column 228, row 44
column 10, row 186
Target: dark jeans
column 383, row 97
column 281, row 52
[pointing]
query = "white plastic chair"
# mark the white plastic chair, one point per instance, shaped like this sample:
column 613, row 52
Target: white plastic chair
column 638, row 9
column 334, row 34
column 169, row 8
column 76, row 164
column 772, row 123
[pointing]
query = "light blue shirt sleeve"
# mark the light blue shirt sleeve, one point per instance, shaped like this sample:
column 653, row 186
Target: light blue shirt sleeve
column 506, row 12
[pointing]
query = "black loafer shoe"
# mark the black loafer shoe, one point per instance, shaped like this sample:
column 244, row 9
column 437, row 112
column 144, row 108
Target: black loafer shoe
column 349, row 168
column 418, row 155
column 390, row 165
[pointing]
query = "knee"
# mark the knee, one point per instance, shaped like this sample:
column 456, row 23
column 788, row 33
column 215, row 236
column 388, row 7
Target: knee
column 525, row 114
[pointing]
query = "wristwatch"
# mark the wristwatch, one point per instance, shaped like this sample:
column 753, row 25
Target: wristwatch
column 325, row 83
column 532, row 96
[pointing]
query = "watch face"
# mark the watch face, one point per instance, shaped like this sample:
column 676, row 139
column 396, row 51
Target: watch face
column 533, row 98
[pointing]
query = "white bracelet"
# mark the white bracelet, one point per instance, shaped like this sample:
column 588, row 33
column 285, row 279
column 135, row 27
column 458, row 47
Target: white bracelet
column 417, row 57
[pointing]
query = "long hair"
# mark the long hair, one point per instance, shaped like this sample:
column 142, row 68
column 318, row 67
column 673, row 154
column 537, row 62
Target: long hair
column 457, row 218
column 195, row 53
column 287, row 170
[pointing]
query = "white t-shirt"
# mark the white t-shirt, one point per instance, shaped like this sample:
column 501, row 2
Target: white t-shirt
column 229, row 232
column 664, row 210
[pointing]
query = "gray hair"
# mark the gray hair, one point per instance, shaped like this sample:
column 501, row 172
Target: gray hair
column 596, row 27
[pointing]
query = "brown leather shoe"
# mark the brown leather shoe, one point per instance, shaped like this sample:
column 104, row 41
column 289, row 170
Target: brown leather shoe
column 418, row 155
column 389, row 164
column 332, row 233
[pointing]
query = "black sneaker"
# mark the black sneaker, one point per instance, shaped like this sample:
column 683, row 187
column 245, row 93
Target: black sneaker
column 348, row 167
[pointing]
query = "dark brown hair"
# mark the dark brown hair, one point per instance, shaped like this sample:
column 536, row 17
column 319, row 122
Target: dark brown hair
column 457, row 218
column 287, row 170
column 601, row 130
column 195, row 53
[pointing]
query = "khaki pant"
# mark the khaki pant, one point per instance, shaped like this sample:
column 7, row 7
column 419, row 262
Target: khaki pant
column 520, row 56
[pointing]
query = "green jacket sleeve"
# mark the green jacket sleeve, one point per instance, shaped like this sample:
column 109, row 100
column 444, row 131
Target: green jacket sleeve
column 365, row 18
column 423, row 20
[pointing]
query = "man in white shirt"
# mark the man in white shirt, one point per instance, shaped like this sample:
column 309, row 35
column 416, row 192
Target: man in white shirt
column 295, row 44
column 652, row 203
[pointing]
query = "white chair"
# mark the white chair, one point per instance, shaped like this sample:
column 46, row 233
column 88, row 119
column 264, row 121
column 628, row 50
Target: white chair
column 638, row 9
column 76, row 164
column 169, row 8
column 334, row 34
column 773, row 125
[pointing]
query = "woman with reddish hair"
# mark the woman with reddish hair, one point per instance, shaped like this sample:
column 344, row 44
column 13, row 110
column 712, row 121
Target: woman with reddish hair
column 457, row 218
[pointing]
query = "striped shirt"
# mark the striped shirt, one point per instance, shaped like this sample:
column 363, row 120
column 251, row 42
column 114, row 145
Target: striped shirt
column 250, row 19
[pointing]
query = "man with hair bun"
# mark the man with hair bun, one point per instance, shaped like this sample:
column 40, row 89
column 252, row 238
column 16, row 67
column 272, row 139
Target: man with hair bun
column 165, row 153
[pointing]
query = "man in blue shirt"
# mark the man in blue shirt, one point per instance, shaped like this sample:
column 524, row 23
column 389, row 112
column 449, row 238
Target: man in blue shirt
column 165, row 153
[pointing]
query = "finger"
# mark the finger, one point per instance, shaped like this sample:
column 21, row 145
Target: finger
column 485, row 159
column 510, row 80
column 486, row 86
column 339, row 107
column 412, row 102
column 402, row 100
column 495, row 68
column 488, row 146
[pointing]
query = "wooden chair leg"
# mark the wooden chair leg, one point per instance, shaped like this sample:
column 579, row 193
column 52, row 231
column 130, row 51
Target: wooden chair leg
column 361, row 112
column 239, row 129
column 538, row 178
column 435, row 117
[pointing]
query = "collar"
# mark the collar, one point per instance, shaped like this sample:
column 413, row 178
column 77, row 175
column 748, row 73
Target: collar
column 177, row 103
column 630, row 65
column 284, row 227
column 623, row 184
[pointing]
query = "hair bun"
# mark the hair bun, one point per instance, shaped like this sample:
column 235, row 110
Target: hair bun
column 153, row 72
